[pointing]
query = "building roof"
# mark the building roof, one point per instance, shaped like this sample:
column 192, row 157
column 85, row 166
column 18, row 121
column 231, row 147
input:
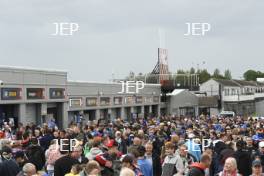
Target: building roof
column 238, row 83
column 260, row 84
column 5, row 67
column 225, row 82
column 245, row 83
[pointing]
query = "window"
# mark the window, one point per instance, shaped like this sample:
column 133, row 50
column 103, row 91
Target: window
column 117, row 100
column 104, row 101
column 91, row 101
column 233, row 92
column 35, row 93
column 75, row 102
column 11, row 93
column 129, row 100
column 57, row 93
column 139, row 99
column 227, row 92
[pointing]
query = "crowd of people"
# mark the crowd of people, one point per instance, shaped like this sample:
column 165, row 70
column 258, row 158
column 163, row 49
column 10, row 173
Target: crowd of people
column 164, row 146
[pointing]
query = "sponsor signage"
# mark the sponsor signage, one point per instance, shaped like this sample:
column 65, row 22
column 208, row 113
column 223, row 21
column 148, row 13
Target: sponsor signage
column 11, row 93
column 57, row 93
column 35, row 93
column 91, row 101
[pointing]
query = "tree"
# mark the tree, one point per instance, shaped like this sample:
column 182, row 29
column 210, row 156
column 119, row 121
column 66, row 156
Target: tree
column 217, row 74
column 204, row 76
column 181, row 72
column 227, row 74
column 192, row 71
column 131, row 74
column 250, row 75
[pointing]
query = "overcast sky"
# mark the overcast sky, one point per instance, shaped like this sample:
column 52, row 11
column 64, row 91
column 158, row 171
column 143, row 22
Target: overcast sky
column 118, row 36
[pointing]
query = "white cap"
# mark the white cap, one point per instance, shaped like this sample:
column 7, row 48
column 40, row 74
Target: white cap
column 261, row 144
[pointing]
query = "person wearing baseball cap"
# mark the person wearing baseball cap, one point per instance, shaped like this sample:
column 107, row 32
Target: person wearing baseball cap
column 257, row 168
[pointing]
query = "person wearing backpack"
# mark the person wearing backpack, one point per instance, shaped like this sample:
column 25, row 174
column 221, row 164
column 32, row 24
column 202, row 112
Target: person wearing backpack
column 52, row 154
column 173, row 163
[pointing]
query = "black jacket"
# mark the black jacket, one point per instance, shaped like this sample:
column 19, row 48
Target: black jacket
column 156, row 165
column 9, row 168
column 63, row 165
column 244, row 162
column 122, row 147
column 36, row 156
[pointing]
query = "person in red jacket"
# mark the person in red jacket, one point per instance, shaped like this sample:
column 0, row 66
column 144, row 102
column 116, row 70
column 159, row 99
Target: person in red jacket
column 198, row 169
column 109, row 160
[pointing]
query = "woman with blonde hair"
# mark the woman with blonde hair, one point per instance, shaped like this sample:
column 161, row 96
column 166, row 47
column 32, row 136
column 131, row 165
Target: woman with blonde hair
column 230, row 168
column 127, row 172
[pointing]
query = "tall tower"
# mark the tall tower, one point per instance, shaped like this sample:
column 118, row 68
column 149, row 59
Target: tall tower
column 162, row 68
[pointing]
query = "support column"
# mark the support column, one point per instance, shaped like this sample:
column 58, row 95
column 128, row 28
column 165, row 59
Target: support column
column 22, row 114
column 131, row 115
column 97, row 114
column 43, row 111
column 143, row 111
column 150, row 109
column 109, row 113
column 158, row 110
column 65, row 118
column 123, row 113
column 196, row 111
column 133, row 109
